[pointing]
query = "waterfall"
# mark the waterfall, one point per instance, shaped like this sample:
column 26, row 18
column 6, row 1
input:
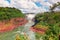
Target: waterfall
column 27, row 26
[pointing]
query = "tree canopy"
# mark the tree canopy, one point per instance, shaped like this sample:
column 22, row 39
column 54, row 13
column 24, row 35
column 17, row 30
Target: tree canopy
column 54, row 6
column 7, row 13
column 51, row 20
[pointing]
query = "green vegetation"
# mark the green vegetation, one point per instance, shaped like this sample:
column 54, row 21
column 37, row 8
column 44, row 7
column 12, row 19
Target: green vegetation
column 52, row 20
column 22, row 37
column 7, row 13
column 49, row 21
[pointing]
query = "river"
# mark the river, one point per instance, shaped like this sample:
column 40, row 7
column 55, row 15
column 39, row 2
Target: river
column 20, row 30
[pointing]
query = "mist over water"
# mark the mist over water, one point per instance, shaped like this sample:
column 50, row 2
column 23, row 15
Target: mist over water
column 27, row 27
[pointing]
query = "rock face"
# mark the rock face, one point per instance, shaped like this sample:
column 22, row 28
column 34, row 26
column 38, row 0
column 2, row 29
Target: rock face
column 12, row 24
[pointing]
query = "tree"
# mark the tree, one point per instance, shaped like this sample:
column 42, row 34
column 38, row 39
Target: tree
column 6, row 13
column 54, row 6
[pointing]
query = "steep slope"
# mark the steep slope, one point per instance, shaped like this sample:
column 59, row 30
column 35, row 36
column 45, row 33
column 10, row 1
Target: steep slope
column 47, row 24
column 11, row 18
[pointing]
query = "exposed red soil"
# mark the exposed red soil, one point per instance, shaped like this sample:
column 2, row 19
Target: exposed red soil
column 38, row 30
column 12, row 24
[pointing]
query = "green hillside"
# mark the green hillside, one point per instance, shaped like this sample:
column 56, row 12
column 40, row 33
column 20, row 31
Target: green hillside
column 51, row 20
column 7, row 13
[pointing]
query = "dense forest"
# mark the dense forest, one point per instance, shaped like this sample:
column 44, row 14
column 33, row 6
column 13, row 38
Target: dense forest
column 50, row 22
column 6, row 13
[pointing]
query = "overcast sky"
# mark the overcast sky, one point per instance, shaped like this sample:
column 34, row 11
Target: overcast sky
column 29, row 6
